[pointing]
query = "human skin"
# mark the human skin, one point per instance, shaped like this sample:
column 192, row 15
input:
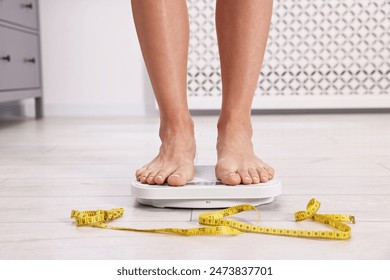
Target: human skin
column 242, row 30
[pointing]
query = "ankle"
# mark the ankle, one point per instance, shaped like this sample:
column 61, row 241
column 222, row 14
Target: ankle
column 176, row 126
column 232, row 125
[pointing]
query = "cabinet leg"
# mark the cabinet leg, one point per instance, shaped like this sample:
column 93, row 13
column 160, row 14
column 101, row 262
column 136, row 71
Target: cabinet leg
column 38, row 107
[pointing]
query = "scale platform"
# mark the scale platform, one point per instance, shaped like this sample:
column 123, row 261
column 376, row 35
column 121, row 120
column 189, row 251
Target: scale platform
column 204, row 191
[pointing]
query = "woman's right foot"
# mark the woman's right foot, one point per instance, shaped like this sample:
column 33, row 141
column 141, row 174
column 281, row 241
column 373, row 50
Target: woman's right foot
column 175, row 162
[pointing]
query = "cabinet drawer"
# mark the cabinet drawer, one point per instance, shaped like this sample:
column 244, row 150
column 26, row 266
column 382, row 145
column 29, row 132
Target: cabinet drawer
column 19, row 60
column 22, row 12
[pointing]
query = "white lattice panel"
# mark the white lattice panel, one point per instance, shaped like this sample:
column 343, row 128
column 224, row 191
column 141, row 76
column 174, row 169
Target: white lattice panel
column 320, row 54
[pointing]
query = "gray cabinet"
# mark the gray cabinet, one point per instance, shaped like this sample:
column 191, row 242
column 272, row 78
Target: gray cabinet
column 20, row 62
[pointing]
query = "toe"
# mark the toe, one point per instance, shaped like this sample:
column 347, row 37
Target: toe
column 227, row 176
column 246, row 179
column 150, row 179
column 177, row 179
column 231, row 179
column 143, row 179
column 254, row 175
column 162, row 176
column 144, row 176
column 270, row 171
column 263, row 174
column 139, row 172
column 181, row 176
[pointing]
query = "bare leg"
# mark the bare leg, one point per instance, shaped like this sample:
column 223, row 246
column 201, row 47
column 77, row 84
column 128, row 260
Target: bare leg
column 163, row 32
column 242, row 29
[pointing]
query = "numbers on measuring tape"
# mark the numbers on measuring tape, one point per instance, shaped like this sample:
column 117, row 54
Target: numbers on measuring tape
column 219, row 225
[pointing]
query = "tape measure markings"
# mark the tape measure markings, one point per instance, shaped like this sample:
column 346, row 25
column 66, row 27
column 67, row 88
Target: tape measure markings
column 219, row 225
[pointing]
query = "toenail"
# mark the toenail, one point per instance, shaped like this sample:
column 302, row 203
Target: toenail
column 265, row 178
column 255, row 178
column 175, row 175
column 159, row 177
column 247, row 178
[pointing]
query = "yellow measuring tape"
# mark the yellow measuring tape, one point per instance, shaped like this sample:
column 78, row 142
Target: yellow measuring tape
column 219, row 225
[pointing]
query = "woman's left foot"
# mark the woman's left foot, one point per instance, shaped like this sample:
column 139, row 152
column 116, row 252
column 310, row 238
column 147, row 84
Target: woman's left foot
column 237, row 163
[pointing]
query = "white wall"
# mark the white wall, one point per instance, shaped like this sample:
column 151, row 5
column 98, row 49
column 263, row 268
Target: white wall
column 92, row 62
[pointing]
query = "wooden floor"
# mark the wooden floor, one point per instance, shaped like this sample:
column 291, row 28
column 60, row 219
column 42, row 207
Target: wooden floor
column 49, row 167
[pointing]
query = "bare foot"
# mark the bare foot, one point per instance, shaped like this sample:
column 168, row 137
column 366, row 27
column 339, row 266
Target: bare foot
column 175, row 162
column 237, row 162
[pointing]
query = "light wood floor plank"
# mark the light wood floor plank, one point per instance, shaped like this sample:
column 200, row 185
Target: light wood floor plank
column 58, row 209
column 369, row 240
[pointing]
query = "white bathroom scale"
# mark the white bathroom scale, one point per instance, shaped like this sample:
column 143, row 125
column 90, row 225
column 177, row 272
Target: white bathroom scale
column 204, row 191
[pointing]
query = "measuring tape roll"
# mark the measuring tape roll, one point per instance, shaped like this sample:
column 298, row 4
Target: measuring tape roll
column 219, row 225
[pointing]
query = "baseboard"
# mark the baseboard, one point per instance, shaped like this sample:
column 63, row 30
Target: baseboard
column 87, row 110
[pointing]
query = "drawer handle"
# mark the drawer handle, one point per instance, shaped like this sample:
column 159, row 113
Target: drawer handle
column 27, row 6
column 30, row 60
column 6, row 58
